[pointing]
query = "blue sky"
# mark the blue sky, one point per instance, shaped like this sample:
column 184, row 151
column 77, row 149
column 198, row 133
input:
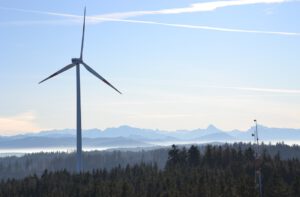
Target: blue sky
column 180, row 64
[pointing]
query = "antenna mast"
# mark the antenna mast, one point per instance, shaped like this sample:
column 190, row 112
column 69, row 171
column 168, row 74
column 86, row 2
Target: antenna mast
column 257, row 166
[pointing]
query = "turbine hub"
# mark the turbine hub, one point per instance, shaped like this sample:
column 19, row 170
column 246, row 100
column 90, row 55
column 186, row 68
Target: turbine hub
column 76, row 61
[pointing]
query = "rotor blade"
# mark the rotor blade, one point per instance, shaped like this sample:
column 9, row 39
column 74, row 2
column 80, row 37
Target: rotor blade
column 83, row 31
column 58, row 72
column 99, row 76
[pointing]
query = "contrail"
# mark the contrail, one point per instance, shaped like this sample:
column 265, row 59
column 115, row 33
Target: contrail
column 191, row 8
column 43, row 12
column 98, row 19
column 94, row 19
column 195, row 7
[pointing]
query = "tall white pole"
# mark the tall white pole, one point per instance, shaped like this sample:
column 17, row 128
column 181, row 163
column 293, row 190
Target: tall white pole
column 79, row 139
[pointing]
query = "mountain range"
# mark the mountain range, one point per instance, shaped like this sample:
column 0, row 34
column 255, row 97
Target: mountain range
column 126, row 136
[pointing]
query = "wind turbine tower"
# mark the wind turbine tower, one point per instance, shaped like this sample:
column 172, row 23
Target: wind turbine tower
column 258, row 180
column 77, row 62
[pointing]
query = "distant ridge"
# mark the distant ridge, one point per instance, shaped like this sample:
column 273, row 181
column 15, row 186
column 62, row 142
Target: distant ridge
column 127, row 136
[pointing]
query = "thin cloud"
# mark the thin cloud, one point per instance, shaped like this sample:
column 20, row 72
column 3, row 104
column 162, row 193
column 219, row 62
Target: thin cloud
column 211, row 28
column 192, row 8
column 267, row 90
column 39, row 22
column 198, row 7
column 96, row 20
column 159, row 116
column 42, row 12
column 19, row 123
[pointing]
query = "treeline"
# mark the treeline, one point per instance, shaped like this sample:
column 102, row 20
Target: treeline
column 37, row 163
column 218, row 171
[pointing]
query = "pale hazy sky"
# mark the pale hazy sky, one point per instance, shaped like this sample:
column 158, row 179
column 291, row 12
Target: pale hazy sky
column 180, row 64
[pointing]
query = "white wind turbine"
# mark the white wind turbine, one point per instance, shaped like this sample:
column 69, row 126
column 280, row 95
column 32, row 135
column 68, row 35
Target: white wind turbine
column 78, row 62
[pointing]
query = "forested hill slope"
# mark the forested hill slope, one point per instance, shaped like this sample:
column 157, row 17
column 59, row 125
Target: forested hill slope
column 218, row 171
column 19, row 167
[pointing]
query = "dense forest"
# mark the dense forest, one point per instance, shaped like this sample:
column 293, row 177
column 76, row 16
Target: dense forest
column 37, row 163
column 210, row 171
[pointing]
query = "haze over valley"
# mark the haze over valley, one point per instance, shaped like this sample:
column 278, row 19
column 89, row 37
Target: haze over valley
column 131, row 137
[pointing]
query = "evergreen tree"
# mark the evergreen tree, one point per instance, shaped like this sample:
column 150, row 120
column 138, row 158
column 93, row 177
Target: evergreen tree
column 193, row 156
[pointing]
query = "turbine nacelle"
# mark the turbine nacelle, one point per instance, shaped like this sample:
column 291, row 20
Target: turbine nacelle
column 76, row 61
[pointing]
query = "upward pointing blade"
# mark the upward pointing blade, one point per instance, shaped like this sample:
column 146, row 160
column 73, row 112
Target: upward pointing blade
column 99, row 76
column 83, row 31
column 58, row 72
